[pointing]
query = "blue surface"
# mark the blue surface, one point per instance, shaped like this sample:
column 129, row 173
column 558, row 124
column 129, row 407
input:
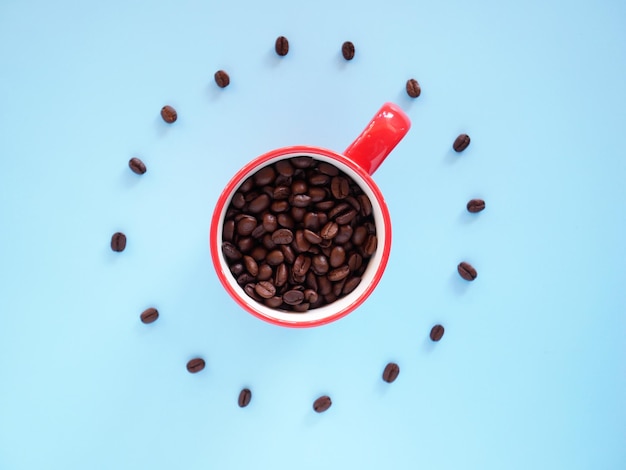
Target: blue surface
column 530, row 372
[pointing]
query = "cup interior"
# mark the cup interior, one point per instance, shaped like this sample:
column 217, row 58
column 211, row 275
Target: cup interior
column 339, row 307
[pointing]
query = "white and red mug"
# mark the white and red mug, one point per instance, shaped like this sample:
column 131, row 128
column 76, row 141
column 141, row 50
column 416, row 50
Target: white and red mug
column 359, row 161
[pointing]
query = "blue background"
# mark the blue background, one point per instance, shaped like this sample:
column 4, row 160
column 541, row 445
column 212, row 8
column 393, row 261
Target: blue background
column 531, row 370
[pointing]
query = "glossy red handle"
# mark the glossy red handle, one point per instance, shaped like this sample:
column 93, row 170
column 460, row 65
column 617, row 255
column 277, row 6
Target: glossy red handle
column 388, row 126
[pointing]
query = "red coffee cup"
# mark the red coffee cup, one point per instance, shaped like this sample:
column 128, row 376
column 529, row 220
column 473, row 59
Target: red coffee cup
column 359, row 161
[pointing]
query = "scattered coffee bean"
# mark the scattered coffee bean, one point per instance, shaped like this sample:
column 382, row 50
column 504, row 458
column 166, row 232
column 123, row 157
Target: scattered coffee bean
column 347, row 50
column 137, row 166
column 281, row 46
column 436, row 333
column 195, row 365
column 322, row 404
column 222, row 79
column 467, row 271
column 298, row 225
column 244, row 398
column 118, row 241
column 413, row 88
column 475, row 205
column 169, row 114
column 461, row 143
column 391, row 372
column 149, row 315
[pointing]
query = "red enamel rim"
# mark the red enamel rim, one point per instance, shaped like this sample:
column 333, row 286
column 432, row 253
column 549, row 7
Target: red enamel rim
column 215, row 237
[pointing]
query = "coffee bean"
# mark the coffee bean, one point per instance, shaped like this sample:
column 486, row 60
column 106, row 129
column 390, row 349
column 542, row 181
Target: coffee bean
column 322, row 404
column 238, row 200
column 319, row 264
column 284, row 168
column 475, row 205
column 391, row 372
column 279, row 206
column 366, row 205
column 169, row 114
column 281, row 46
column 461, row 143
column 467, row 271
column 281, row 276
column 347, row 50
column 281, row 192
column 258, row 232
column 275, row 257
column 311, row 236
column 265, row 176
column 245, row 244
column 339, row 273
column 359, row 236
column 244, row 398
column 436, row 333
column 195, row 365
column 228, row 231
column 337, row 256
column 273, row 302
column 286, row 221
column 237, row 269
column 259, row 204
column 293, row 297
column 340, row 187
column 301, row 265
column 351, row 284
column 300, row 200
column 302, row 162
column 344, row 234
column 413, row 88
column 250, row 289
column 118, row 242
column 245, row 278
column 329, row 230
column 282, row 236
column 370, row 245
column 265, row 289
column 270, row 224
column 288, row 253
column 300, row 243
column 137, row 166
column 222, row 79
column 230, row 251
column 246, row 225
column 251, row 265
column 149, row 315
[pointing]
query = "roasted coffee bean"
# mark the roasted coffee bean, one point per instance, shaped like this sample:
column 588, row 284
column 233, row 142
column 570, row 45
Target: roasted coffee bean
column 238, row 200
column 351, row 284
column 275, row 257
column 337, row 256
column 310, row 295
column 339, row 273
column 311, row 236
column 273, row 302
column 301, row 265
column 281, row 46
column 324, row 205
column 281, row 192
column 284, row 168
column 149, row 315
column 300, row 200
column 370, row 246
column 222, row 79
column 270, row 224
column 259, row 204
column 359, row 236
column 344, row 234
column 339, row 187
column 317, row 194
column 169, row 114
column 265, row 272
column 258, row 232
column 251, row 265
column 475, row 205
column 436, row 333
column 319, row 264
column 228, row 231
column 244, row 398
column 299, row 187
column 338, row 287
column 267, row 241
column 312, row 221
column 461, row 143
column 319, row 179
column 195, row 365
column 302, row 162
column 282, row 236
column 246, row 225
column 467, row 271
column 237, row 269
column 286, row 221
column 245, row 278
column 281, row 276
column 231, row 251
column 279, row 206
column 366, row 205
column 391, row 372
column 330, row 298
column 355, row 261
column 250, row 290
column 311, row 281
column 137, row 166
column 288, row 253
column 413, row 88
column 118, row 242
column 347, row 50
column 265, row 176
column 265, row 289
column 322, row 404
column 329, row 230
column 245, row 244
column 346, row 216
column 300, row 243
column 293, row 297
column 325, row 287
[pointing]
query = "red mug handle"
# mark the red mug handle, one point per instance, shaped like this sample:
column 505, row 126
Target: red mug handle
column 386, row 129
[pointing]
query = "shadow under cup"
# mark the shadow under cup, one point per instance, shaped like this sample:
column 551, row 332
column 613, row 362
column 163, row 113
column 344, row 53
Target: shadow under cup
column 343, row 305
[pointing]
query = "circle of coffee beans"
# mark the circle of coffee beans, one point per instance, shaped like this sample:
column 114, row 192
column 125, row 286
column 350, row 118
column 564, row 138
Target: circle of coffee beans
column 413, row 88
column 137, row 166
column 467, row 271
column 169, row 114
column 322, row 404
column 281, row 46
column 298, row 234
column 118, row 242
column 347, row 50
column 195, row 365
column 149, row 315
column 436, row 333
column 461, row 142
column 222, row 79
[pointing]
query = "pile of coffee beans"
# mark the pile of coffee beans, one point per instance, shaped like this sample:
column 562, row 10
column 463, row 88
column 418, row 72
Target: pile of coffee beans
column 298, row 234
